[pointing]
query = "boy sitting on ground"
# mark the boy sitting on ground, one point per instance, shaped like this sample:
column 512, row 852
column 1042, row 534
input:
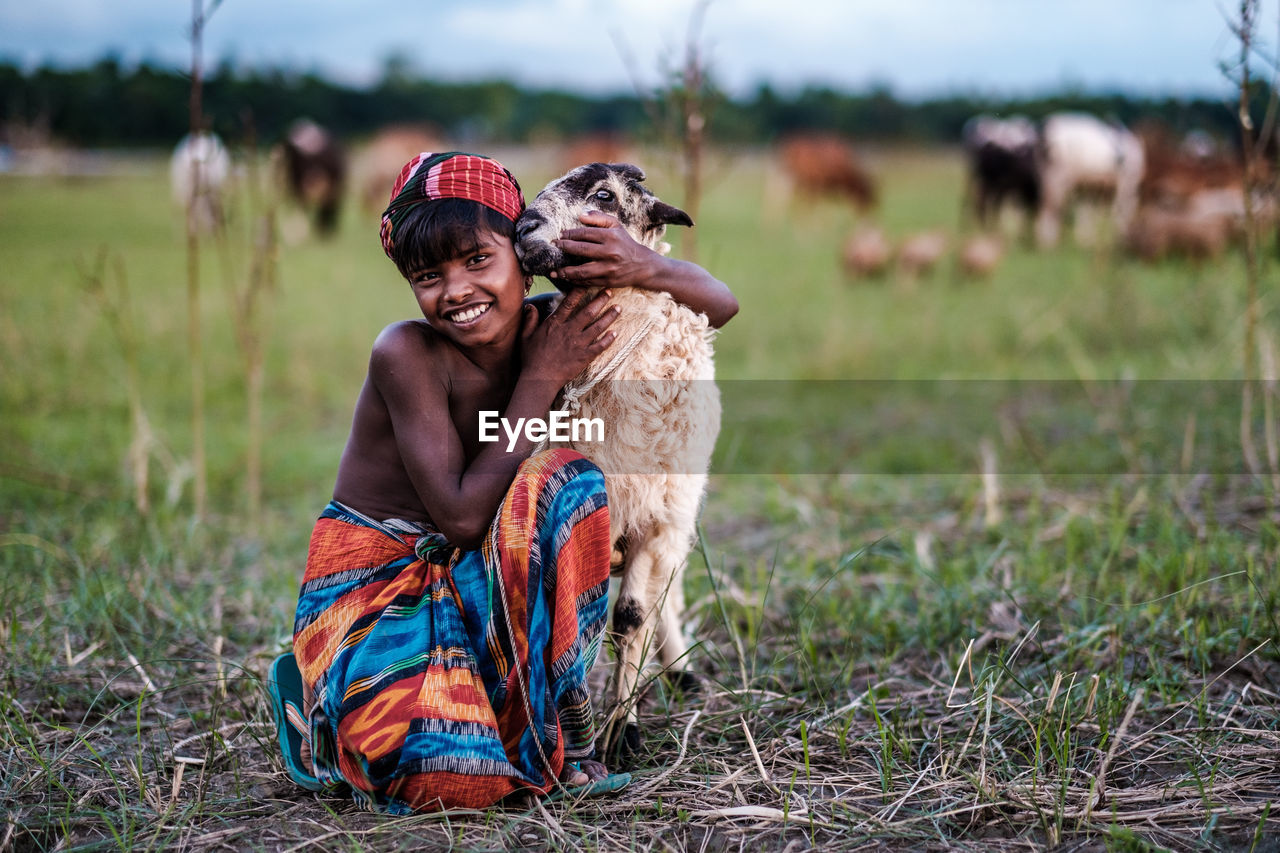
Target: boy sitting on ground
column 456, row 590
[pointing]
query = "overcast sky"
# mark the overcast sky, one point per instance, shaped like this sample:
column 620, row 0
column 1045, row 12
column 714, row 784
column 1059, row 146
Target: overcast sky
column 919, row 47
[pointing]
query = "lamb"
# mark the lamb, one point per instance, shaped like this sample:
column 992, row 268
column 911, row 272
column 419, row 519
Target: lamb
column 654, row 389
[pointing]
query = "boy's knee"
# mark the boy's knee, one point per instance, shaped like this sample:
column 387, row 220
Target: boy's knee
column 547, row 462
column 556, row 468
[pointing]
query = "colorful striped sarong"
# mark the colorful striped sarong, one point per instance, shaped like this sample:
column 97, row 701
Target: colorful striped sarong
column 440, row 678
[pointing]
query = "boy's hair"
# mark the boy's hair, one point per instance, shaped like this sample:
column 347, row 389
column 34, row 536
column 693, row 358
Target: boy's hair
column 444, row 229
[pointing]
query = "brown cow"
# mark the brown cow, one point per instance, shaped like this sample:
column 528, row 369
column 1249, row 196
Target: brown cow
column 380, row 161
column 1176, row 172
column 825, row 165
column 1192, row 198
column 603, row 147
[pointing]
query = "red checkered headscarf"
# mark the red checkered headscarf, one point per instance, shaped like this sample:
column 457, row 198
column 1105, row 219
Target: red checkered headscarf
column 454, row 174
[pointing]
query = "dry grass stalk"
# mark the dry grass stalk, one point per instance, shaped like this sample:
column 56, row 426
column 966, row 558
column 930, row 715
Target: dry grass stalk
column 118, row 309
column 250, row 325
column 691, row 96
column 142, row 673
column 1267, row 355
column 992, row 515
column 195, row 335
column 1243, row 28
column 1100, row 780
column 218, row 642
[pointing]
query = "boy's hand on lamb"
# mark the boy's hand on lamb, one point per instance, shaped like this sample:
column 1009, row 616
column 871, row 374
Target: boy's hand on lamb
column 559, row 347
column 612, row 256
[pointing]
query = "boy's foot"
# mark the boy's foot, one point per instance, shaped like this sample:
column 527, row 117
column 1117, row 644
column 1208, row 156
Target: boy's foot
column 578, row 773
column 587, row 779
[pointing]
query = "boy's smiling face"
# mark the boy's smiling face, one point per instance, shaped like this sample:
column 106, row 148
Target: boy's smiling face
column 476, row 298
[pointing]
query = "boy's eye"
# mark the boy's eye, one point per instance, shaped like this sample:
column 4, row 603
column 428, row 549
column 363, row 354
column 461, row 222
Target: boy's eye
column 480, row 258
column 604, row 195
column 425, row 277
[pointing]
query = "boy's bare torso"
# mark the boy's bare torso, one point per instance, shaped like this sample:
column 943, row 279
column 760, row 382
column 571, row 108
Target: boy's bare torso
column 372, row 477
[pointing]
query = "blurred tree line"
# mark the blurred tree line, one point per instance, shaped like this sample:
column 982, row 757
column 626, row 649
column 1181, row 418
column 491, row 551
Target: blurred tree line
column 107, row 104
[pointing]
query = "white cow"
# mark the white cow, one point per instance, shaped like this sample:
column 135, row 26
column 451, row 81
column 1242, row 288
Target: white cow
column 1084, row 155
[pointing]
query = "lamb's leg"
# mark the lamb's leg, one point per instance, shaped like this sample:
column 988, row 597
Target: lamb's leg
column 673, row 647
column 652, row 562
column 632, row 632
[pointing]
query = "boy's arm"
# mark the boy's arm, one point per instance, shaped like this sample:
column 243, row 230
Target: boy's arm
column 615, row 259
column 462, row 496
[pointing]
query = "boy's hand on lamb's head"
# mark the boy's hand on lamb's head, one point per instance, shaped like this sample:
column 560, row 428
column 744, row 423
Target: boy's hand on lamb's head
column 611, row 256
column 559, row 347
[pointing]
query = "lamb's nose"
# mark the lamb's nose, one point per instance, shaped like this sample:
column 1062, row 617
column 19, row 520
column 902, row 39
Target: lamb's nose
column 527, row 226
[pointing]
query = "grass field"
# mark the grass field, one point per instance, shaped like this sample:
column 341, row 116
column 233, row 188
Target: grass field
column 896, row 651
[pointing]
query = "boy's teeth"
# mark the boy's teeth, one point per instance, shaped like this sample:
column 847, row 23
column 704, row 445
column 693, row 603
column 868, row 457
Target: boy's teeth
column 470, row 314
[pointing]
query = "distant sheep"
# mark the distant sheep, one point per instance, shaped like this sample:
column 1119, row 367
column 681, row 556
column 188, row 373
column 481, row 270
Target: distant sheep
column 920, row 253
column 980, row 255
column 1004, row 162
column 198, row 173
column 657, row 395
column 1085, row 156
column 867, row 253
column 1157, row 233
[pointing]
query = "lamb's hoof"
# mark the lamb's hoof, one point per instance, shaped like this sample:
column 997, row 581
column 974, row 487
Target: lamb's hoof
column 629, row 744
column 621, row 748
column 684, row 681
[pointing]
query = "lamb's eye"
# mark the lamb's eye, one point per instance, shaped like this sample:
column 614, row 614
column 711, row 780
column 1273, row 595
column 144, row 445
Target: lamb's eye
column 604, row 195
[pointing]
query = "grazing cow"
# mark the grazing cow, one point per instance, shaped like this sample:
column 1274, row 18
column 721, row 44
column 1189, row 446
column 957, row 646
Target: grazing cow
column 1085, row 156
column 315, row 171
column 379, row 162
column 1004, row 163
column 198, row 173
column 654, row 389
column 827, row 166
column 1192, row 199
column 1177, row 171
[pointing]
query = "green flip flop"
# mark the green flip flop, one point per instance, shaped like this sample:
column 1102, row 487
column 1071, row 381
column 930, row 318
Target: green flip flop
column 284, row 683
column 610, row 784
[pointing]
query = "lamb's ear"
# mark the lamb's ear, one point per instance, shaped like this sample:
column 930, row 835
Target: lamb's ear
column 668, row 214
column 628, row 171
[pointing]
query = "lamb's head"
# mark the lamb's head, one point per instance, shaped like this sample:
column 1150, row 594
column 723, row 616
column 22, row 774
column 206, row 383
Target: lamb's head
column 613, row 188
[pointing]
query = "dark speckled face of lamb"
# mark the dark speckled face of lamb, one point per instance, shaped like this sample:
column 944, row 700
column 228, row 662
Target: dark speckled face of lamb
column 613, row 188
